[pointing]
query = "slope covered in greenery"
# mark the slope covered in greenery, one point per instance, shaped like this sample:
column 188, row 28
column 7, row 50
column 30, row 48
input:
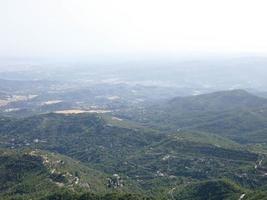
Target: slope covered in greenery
column 85, row 137
column 236, row 114
column 209, row 190
column 202, row 147
column 38, row 174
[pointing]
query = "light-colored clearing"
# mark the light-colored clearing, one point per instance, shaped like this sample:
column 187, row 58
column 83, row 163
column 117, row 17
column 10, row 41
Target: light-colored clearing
column 12, row 109
column 51, row 102
column 4, row 102
column 76, row 111
column 116, row 118
column 242, row 196
column 113, row 98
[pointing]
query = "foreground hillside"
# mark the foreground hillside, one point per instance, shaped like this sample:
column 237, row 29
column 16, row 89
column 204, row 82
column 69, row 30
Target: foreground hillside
column 39, row 174
column 34, row 173
column 42, row 175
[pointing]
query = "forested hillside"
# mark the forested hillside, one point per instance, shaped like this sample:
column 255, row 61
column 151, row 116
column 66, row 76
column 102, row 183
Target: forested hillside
column 212, row 149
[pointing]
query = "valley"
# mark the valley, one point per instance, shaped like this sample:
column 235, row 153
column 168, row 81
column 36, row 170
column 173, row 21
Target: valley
column 133, row 100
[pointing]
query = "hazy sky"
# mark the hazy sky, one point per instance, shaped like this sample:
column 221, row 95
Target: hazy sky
column 127, row 27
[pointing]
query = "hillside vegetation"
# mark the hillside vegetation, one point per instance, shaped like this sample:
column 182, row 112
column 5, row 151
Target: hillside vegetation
column 210, row 146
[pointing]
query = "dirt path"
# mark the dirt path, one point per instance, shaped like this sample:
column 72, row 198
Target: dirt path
column 242, row 196
column 171, row 193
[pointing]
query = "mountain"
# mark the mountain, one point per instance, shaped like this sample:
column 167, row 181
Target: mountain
column 236, row 114
column 217, row 101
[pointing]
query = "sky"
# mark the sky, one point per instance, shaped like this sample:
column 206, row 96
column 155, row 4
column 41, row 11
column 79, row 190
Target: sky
column 73, row 28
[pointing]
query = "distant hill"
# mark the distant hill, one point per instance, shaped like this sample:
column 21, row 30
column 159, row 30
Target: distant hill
column 236, row 114
column 217, row 101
